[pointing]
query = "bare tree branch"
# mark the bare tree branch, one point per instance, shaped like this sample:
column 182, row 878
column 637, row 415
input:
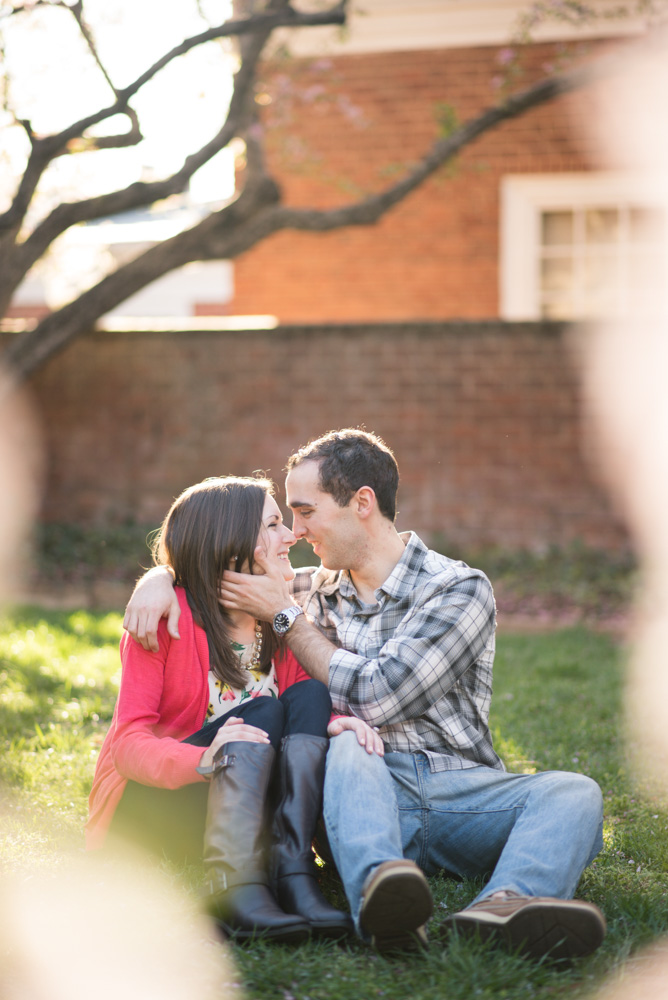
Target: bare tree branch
column 133, row 136
column 87, row 35
column 141, row 193
column 45, row 149
column 368, row 210
column 257, row 213
column 59, row 328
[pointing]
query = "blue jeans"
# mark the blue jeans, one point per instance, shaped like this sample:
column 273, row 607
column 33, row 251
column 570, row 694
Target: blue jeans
column 533, row 833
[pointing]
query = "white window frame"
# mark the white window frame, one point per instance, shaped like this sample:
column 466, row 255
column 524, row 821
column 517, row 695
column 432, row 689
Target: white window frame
column 525, row 196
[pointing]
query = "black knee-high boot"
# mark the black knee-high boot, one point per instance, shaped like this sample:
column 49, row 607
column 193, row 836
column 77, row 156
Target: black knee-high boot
column 234, row 847
column 301, row 771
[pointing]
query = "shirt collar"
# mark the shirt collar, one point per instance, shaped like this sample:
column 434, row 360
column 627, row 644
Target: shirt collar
column 403, row 578
column 400, row 582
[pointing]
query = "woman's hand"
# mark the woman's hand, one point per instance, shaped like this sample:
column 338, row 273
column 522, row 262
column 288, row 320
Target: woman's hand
column 366, row 736
column 235, row 729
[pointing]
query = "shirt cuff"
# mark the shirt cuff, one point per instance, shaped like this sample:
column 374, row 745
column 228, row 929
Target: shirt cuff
column 344, row 667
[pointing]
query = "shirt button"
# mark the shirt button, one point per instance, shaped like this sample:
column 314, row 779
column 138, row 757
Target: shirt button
column 358, row 618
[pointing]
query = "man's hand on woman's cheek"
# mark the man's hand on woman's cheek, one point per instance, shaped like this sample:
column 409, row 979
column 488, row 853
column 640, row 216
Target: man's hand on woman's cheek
column 260, row 596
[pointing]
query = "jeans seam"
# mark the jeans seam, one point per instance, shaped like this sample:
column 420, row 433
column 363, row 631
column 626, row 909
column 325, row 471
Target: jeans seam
column 420, row 761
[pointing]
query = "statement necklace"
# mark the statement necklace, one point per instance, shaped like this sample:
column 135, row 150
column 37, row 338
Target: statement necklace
column 249, row 655
column 257, row 648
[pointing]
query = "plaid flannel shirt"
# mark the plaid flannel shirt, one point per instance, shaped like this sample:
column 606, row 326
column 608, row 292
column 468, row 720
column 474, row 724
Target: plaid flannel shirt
column 418, row 663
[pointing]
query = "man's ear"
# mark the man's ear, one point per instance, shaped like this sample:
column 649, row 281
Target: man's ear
column 365, row 501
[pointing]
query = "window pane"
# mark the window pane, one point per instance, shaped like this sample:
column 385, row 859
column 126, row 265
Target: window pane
column 560, row 308
column 600, row 271
column 556, row 274
column 647, row 225
column 601, row 225
column 557, row 228
column 600, row 304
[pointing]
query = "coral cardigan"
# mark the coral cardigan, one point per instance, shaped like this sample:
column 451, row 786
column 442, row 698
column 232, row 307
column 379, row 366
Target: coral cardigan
column 163, row 699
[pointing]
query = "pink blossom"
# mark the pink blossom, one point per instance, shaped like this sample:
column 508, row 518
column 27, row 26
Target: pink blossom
column 312, row 93
column 505, row 56
column 321, row 65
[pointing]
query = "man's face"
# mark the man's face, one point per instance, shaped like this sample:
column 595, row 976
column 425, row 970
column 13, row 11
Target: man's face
column 332, row 530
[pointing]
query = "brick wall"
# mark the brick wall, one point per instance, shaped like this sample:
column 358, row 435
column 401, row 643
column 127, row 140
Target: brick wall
column 483, row 417
column 435, row 256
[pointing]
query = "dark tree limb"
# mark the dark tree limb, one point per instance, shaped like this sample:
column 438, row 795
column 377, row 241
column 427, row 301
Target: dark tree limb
column 58, row 329
column 258, row 213
column 45, row 149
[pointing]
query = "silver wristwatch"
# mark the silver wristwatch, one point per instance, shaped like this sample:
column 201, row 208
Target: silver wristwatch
column 282, row 622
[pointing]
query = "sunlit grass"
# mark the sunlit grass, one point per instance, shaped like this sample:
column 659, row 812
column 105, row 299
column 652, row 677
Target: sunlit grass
column 59, row 675
column 557, row 704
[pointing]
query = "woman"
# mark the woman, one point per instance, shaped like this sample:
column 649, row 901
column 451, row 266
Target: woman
column 228, row 686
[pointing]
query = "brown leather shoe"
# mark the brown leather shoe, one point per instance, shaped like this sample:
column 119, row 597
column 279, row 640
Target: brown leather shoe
column 534, row 925
column 396, row 904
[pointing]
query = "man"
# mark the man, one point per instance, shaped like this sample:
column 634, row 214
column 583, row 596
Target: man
column 404, row 639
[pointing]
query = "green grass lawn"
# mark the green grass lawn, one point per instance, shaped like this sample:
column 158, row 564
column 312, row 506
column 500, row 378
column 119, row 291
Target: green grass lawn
column 556, row 705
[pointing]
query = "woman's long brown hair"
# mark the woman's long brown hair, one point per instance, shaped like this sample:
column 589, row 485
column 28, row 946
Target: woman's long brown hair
column 211, row 527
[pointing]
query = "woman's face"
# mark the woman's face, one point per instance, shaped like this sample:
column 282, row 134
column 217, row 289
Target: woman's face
column 276, row 538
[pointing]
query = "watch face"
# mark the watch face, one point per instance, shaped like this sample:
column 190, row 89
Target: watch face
column 281, row 623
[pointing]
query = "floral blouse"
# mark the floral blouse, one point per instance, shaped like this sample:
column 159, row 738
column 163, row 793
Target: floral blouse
column 223, row 698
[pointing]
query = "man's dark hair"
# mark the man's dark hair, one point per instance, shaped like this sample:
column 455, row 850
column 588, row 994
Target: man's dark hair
column 350, row 459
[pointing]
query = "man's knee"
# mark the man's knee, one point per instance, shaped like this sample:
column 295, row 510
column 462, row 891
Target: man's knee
column 576, row 794
column 351, row 767
column 590, row 798
column 344, row 750
column 585, row 791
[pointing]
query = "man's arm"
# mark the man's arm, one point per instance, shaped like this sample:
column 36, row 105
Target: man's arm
column 425, row 657
column 152, row 599
column 311, row 648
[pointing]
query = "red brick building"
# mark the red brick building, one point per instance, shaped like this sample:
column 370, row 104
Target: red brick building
column 530, row 223
column 501, row 232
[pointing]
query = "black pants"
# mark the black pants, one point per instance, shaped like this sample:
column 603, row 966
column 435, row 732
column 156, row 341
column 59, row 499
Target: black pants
column 303, row 708
column 170, row 822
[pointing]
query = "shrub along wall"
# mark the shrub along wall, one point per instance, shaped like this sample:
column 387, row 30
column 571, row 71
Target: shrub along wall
column 484, row 419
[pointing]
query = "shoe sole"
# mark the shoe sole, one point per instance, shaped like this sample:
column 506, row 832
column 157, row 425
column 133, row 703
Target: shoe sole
column 395, row 909
column 563, row 930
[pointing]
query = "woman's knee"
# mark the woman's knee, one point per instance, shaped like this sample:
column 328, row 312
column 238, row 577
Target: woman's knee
column 265, row 713
column 308, row 708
